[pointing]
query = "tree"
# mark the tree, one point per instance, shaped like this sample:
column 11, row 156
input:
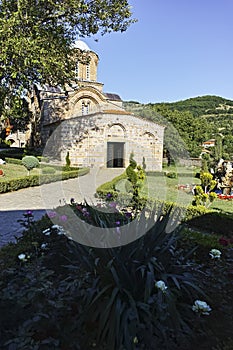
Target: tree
column 37, row 36
column 136, row 177
column 203, row 195
column 30, row 162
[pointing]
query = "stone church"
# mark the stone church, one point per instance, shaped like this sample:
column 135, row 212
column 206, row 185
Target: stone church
column 92, row 125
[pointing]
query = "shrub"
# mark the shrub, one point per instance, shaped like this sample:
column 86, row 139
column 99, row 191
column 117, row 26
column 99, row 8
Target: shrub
column 138, row 296
column 43, row 159
column 171, row 175
column 48, row 170
column 122, row 303
column 30, row 162
column 68, row 162
column 36, row 180
column 13, row 161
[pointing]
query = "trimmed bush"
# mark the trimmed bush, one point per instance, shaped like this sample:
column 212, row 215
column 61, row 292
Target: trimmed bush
column 171, row 175
column 13, row 161
column 30, row 162
column 36, row 180
column 42, row 159
column 48, row 170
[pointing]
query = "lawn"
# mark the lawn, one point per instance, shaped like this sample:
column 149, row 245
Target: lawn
column 12, row 171
column 164, row 188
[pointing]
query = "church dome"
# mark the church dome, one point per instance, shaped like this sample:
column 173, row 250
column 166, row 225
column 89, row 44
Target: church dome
column 79, row 44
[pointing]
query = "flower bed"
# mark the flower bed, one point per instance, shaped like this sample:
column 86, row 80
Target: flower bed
column 158, row 292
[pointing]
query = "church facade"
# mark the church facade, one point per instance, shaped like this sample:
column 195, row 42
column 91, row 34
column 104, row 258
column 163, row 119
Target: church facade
column 93, row 126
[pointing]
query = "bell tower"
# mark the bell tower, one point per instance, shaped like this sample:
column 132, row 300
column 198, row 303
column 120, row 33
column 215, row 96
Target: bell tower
column 86, row 66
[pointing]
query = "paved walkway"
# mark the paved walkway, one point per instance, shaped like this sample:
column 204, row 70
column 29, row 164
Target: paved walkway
column 46, row 197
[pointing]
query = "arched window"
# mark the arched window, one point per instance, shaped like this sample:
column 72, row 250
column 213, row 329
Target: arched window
column 77, row 69
column 88, row 71
column 85, row 108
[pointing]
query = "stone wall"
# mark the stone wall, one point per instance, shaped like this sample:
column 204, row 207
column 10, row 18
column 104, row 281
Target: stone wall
column 87, row 138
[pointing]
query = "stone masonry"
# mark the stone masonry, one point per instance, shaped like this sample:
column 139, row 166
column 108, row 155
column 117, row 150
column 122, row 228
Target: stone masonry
column 93, row 126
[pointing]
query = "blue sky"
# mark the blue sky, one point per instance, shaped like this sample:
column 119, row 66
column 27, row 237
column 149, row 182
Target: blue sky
column 178, row 49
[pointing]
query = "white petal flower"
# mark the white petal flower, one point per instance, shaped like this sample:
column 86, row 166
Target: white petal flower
column 215, row 254
column 46, row 232
column 161, row 285
column 44, row 245
column 22, row 257
column 201, row 307
column 56, row 227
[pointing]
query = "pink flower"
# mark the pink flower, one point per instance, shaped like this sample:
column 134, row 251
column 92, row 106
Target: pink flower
column 63, row 218
column 52, row 214
column 113, row 205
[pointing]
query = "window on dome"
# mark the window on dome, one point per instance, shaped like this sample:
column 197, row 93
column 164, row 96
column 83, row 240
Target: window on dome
column 88, row 72
column 77, row 69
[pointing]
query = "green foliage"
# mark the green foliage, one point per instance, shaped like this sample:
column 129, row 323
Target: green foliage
column 68, row 162
column 123, row 302
column 136, row 176
column 171, row 175
column 30, row 162
column 36, row 40
column 203, row 195
column 224, row 345
column 70, row 296
column 42, row 159
column 48, row 170
column 144, row 163
column 110, row 187
column 36, row 180
column 196, row 120
column 13, row 161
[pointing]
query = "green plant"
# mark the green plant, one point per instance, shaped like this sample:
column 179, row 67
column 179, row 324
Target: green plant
column 171, row 175
column 68, row 162
column 30, row 162
column 144, row 163
column 48, row 170
column 65, row 295
column 123, row 303
column 43, row 159
column 136, row 176
column 36, row 180
column 203, row 195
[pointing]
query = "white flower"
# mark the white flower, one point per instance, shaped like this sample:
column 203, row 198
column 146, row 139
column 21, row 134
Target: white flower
column 56, row 227
column 22, row 257
column 202, row 307
column 161, row 285
column 44, row 245
column 60, row 230
column 46, row 232
column 215, row 254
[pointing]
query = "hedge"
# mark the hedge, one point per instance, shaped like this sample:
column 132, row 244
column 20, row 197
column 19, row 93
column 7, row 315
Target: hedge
column 124, row 199
column 36, row 180
column 13, row 161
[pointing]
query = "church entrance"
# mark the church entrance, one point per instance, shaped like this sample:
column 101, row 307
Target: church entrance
column 115, row 154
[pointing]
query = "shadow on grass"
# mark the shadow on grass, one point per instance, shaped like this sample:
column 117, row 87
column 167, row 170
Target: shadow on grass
column 9, row 225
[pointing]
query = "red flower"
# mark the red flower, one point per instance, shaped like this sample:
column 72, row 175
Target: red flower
column 223, row 241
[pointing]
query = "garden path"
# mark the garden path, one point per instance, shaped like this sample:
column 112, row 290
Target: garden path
column 46, row 197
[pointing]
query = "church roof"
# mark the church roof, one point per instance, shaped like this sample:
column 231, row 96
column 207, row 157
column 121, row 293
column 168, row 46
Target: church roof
column 112, row 97
column 79, row 44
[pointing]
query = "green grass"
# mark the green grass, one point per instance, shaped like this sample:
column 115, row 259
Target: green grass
column 164, row 188
column 12, row 171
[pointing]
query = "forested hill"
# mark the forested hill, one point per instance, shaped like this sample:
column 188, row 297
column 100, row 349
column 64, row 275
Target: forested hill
column 196, row 119
column 198, row 106
column 205, row 105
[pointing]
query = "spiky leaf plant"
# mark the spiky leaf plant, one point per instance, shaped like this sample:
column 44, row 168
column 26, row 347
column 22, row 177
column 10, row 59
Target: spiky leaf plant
column 125, row 308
